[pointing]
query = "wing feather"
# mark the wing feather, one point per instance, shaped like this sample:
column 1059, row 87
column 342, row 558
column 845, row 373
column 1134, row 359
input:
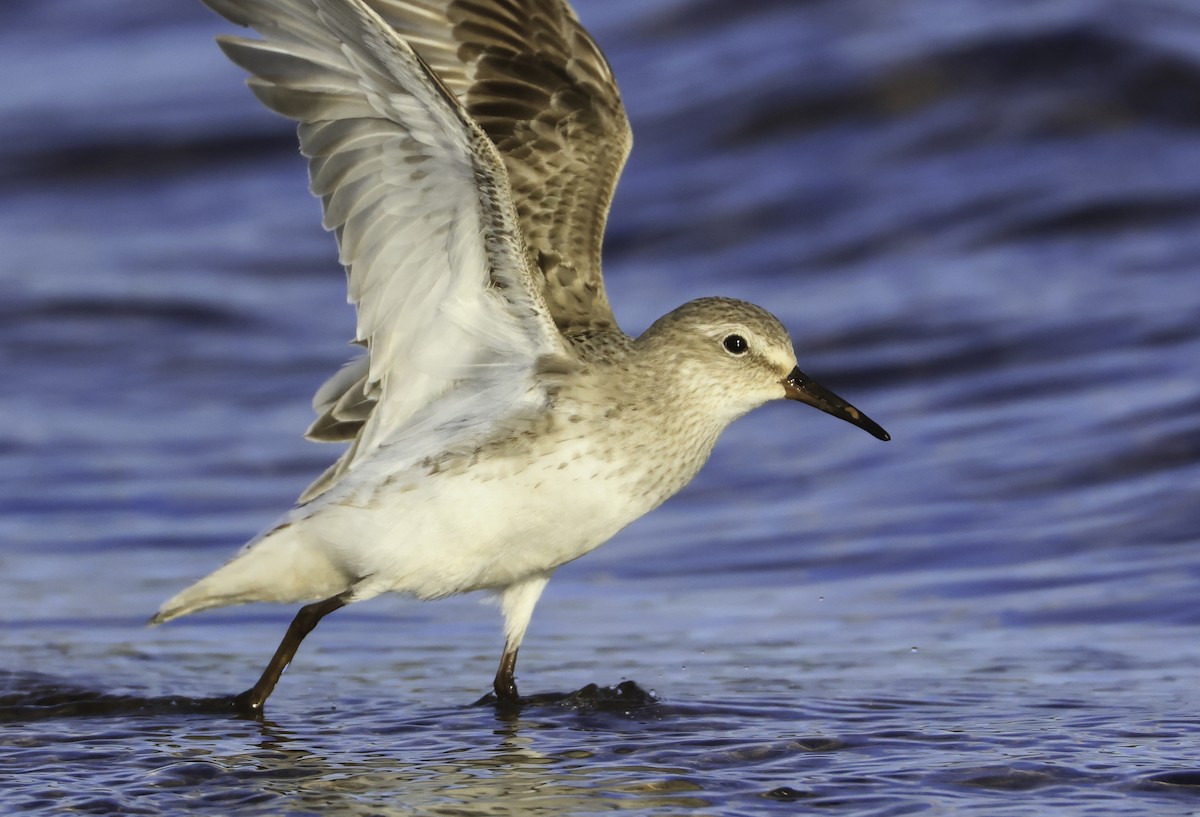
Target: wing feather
column 538, row 85
column 420, row 202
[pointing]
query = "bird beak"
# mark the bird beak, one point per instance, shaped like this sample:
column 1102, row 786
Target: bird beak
column 799, row 386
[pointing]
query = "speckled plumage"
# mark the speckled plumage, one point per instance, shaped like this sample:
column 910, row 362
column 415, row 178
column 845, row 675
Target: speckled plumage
column 552, row 110
column 500, row 422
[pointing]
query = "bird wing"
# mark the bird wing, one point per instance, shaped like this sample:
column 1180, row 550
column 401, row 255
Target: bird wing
column 529, row 74
column 419, row 199
column 535, row 81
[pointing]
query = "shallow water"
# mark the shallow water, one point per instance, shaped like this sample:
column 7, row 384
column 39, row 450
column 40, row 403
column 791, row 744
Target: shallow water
column 981, row 223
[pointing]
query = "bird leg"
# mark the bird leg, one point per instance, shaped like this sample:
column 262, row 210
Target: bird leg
column 505, row 684
column 517, row 601
column 252, row 700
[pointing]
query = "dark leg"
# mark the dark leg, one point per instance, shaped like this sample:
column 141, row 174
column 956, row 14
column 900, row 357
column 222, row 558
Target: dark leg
column 252, row 700
column 505, row 684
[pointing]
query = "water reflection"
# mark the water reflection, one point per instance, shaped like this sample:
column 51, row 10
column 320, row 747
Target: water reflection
column 476, row 759
column 604, row 749
column 35, row 697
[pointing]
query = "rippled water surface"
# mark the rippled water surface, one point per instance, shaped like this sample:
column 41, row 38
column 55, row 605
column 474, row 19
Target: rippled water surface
column 981, row 222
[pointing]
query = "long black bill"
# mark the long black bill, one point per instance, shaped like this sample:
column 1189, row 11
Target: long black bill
column 799, row 386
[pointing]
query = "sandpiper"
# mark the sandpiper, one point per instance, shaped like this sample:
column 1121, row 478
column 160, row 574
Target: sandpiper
column 500, row 423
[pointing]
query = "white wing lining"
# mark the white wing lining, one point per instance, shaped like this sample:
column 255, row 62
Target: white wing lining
column 419, row 200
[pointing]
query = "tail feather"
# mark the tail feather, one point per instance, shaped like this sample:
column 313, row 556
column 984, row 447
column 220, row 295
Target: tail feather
column 200, row 596
column 279, row 566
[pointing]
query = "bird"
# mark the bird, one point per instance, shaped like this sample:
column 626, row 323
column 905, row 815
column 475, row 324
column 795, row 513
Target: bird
column 499, row 422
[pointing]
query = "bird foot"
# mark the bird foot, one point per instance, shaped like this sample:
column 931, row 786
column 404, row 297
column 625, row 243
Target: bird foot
column 623, row 696
column 247, row 704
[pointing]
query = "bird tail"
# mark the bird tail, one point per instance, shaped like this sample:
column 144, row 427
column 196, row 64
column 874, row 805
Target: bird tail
column 279, row 566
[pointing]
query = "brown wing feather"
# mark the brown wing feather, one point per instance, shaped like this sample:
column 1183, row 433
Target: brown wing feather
column 540, row 88
column 535, row 81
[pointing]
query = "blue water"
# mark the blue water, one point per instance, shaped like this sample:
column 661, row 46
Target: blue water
column 980, row 221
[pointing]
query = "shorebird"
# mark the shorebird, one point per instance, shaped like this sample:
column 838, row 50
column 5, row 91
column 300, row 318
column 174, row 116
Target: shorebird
column 500, row 424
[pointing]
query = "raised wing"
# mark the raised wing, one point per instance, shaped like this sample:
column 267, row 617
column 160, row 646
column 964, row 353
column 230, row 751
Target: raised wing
column 419, row 200
column 535, row 81
column 530, row 76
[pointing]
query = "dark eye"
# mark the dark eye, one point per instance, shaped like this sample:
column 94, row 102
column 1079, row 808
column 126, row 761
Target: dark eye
column 735, row 344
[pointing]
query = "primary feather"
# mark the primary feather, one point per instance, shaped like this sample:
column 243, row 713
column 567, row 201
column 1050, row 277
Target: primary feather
column 419, row 198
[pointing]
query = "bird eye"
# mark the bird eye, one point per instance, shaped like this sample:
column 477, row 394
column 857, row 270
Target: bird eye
column 735, row 344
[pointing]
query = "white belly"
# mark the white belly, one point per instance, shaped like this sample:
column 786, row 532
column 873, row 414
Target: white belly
column 485, row 526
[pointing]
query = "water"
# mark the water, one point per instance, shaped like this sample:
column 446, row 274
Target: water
column 981, row 222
